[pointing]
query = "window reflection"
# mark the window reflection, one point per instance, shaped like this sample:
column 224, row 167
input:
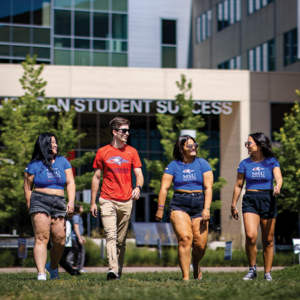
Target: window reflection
column 62, row 22
column 41, row 12
column 119, row 26
column 5, row 11
column 21, row 11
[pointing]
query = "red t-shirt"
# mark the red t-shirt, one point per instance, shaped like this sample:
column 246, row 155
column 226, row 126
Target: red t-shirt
column 117, row 164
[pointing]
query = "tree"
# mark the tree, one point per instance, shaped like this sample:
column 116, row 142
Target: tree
column 169, row 128
column 23, row 120
column 289, row 157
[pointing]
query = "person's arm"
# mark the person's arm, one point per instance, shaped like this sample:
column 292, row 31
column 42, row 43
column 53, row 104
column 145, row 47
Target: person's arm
column 139, row 182
column 208, row 181
column 166, row 182
column 94, row 191
column 71, row 190
column 76, row 229
column 278, row 179
column 28, row 184
column 236, row 194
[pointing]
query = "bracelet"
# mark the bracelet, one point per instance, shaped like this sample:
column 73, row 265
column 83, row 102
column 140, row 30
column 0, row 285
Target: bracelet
column 207, row 208
column 233, row 208
column 161, row 206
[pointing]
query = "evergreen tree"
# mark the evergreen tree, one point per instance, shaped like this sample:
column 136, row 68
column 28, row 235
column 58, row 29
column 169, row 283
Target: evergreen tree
column 169, row 128
column 23, row 120
column 289, row 158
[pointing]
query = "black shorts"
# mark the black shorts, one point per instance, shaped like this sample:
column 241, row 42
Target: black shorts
column 260, row 203
column 52, row 205
column 192, row 204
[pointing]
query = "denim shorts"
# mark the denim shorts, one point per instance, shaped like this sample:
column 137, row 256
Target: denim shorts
column 260, row 203
column 52, row 205
column 192, row 204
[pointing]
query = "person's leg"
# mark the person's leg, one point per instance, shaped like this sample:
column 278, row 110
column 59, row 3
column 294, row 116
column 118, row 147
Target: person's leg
column 81, row 257
column 124, row 211
column 267, row 234
column 73, row 252
column 200, row 232
column 41, row 223
column 109, row 221
column 251, row 222
column 58, row 239
column 182, row 226
column 65, row 265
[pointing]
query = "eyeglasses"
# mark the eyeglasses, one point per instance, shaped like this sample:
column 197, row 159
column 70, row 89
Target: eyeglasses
column 123, row 130
column 190, row 146
column 248, row 144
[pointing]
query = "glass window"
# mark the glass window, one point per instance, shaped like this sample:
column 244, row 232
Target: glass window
column 101, row 45
column 89, row 127
column 17, row 61
column 100, row 4
column 21, row 50
column 62, row 57
column 119, row 46
column 5, row 11
column 62, row 42
column 41, row 12
column 168, row 57
column 119, row 59
column 100, row 59
column 119, row 5
column 4, row 50
column 82, row 23
column 169, row 32
column 62, row 22
column 290, row 47
column 62, row 3
column 81, row 58
column 119, row 26
column 21, row 11
column 41, row 36
column 21, row 34
column 39, row 62
column 83, row 44
column 41, row 52
column 85, row 4
column 4, row 33
column 101, row 25
column 4, row 61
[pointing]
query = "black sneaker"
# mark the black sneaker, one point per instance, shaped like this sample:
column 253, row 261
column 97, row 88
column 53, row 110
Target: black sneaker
column 252, row 274
column 112, row 275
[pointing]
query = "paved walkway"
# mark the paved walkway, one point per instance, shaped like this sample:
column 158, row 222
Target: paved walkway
column 140, row 269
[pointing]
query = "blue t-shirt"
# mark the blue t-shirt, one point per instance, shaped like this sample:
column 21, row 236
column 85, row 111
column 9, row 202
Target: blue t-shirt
column 188, row 176
column 44, row 178
column 76, row 219
column 258, row 176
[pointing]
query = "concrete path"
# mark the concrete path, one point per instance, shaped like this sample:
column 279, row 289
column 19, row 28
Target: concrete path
column 140, row 269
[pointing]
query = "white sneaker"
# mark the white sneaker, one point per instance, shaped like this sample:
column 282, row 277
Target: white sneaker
column 268, row 276
column 82, row 271
column 53, row 273
column 112, row 275
column 42, row 276
column 252, row 274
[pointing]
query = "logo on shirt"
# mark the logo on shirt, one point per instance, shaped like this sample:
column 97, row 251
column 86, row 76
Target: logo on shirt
column 117, row 160
column 257, row 169
column 258, row 173
column 188, row 171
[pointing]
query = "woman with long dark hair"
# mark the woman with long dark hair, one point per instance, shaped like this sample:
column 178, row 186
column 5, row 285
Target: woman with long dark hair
column 190, row 206
column 45, row 178
column 259, row 204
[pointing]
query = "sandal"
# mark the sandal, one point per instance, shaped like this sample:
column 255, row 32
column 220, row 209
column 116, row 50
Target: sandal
column 197, row 275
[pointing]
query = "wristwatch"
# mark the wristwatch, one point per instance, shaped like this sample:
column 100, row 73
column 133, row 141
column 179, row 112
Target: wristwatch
column 139, row 187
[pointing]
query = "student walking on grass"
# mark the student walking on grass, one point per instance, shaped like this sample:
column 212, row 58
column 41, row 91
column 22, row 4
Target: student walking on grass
column 116, row 161
column 259, row 203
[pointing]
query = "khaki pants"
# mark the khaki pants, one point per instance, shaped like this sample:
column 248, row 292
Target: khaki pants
column 115, row 217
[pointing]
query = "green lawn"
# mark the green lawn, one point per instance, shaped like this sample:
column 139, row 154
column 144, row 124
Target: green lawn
column 161, row 286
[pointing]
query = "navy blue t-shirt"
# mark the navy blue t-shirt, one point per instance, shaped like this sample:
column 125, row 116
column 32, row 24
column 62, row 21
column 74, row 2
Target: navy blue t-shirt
column 258, row 176
column 188, row 176
column 44, row 178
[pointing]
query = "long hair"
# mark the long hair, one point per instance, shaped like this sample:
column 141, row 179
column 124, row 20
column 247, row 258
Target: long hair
column 263, row 141
column 178, row 148
column 43, row 150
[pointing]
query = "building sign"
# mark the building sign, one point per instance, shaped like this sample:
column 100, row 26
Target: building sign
column 127, row 106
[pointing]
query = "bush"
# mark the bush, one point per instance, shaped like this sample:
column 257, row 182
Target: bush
column 7, row 259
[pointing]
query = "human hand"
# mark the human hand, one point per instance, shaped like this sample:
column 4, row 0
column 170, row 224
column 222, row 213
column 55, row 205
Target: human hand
column 83, row 239
column 159, row 215
column 276, row 191
column 70, row 207
column 80, row 240
column 94, row 209
column 205, row 215
column 234, row 213
column 135, row 194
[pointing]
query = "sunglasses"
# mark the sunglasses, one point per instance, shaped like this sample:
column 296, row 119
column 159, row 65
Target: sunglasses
column 248, row 144
column 190, row 146
column 123, row 130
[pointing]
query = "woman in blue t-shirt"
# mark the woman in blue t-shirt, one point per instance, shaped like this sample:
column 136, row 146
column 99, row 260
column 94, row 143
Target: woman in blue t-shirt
column 190, row 207
column 259, row 205
column 44, row 182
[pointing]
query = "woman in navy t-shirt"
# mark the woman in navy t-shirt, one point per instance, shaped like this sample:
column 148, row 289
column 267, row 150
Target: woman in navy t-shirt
column 44, row 183
column 259, row 205
column 189, row 208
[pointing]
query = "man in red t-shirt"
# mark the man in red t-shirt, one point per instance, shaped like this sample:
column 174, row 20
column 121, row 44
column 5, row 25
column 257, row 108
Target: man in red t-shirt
column 116, row 161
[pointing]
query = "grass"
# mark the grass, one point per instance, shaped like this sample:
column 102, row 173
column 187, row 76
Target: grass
column 146, row 286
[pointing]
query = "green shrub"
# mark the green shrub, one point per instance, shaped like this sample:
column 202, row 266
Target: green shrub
column 7, row 259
